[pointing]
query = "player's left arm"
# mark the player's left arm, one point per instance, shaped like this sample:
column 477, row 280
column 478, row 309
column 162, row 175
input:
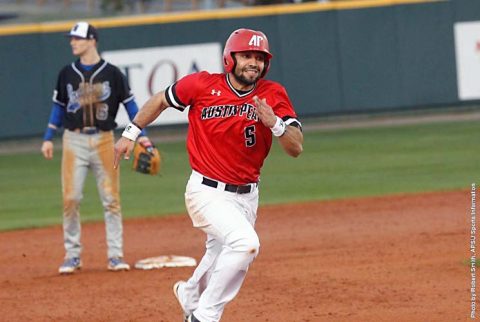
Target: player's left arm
column 289, row 136
column 292, row 140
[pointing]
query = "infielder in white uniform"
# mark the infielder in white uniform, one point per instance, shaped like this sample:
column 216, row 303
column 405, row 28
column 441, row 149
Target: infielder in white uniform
column 232, row 119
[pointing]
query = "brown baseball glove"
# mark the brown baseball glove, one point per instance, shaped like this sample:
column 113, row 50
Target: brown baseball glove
column 146, row 158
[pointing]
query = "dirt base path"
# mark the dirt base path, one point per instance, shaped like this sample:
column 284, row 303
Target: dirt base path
column 397, row 258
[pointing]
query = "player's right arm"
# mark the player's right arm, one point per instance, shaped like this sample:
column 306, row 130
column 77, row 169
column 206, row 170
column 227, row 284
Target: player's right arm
column 147, row 114
column 55, row 121
column 151, row 110
column 178, row 95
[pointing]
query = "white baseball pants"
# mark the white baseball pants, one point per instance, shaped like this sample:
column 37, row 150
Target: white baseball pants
column 232, row 244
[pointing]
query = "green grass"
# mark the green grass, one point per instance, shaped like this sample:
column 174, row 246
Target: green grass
column 335, row 164
column 376, row 161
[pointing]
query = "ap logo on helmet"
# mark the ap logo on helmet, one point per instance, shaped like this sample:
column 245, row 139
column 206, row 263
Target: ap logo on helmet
column 255, row 41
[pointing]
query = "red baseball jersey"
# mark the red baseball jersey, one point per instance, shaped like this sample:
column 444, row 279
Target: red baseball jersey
column 226, row 140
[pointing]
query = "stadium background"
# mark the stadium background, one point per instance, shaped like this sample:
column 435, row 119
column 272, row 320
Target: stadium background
column 333, row 58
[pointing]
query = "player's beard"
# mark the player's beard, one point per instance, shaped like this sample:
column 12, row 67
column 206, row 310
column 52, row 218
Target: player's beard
column 246, row 81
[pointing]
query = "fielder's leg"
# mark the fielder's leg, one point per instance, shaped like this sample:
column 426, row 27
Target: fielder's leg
column 74, row 172
column 108, row 188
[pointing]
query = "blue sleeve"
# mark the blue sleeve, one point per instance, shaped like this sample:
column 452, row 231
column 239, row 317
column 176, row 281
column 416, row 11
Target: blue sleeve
column 132, row 110
column 54, row 122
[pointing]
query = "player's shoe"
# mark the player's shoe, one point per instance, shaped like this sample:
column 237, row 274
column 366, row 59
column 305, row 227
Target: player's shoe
column 70, row 265
column 117, row 264
column 175, row 292
column 192, row 318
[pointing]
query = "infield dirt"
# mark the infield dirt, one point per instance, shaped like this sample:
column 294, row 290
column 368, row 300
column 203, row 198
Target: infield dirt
column 394, row 258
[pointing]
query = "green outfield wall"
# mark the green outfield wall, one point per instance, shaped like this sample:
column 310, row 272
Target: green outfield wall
column 331, row 57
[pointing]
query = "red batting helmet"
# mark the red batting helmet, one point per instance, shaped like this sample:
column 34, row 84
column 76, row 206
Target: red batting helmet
column 245, row 40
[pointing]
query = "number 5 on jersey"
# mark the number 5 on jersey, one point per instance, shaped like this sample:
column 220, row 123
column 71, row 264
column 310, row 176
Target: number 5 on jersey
column 250, row 139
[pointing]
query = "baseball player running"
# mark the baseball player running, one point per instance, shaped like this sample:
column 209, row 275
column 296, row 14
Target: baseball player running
column 232, row 119
column 86, row 101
